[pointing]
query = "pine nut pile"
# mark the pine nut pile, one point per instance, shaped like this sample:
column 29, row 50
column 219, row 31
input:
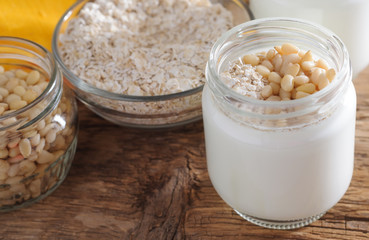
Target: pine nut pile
column 26, row 155
column 280, row 74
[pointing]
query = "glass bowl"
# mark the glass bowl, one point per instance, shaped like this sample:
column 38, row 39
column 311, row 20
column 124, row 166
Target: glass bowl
column 156, row 111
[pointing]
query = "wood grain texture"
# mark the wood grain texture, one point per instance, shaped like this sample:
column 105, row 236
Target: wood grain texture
column 138, row 184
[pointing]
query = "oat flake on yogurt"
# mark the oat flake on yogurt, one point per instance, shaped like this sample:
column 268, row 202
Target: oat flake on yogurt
column 143, row 47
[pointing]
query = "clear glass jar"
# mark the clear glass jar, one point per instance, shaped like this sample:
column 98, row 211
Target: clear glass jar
column 37, row 141
column 280, row 164
column 347, row 18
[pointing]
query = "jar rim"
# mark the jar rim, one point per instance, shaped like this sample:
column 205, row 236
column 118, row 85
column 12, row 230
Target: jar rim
column 343, row 77
column 21, row 44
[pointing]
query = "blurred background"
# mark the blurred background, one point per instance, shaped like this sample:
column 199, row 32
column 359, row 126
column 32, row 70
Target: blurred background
column 32, row 19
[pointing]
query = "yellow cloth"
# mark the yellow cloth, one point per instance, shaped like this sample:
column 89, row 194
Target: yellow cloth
column 32, row 19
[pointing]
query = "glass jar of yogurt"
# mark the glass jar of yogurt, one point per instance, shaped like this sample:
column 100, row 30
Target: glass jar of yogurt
column 38, row 124
column 280, row 164
column 347, row 18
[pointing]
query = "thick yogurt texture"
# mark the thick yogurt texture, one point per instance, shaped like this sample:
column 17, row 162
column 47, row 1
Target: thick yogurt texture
column 346, row 18
column 283, row 174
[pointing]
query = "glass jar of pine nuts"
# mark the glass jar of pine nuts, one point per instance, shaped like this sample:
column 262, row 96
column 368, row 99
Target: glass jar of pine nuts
column 38, row 124
column 279, row 113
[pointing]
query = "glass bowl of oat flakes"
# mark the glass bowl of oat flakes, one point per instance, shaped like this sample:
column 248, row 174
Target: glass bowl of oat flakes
column 141, row 63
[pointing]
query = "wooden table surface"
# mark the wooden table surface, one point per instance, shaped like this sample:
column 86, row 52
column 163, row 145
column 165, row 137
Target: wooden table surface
column 137, row 184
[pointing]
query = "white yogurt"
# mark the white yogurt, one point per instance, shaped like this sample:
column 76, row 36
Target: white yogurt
column 280, row 175
column 349, row 19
